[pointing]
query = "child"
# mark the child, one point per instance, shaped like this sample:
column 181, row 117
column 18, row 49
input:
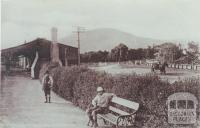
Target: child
column 47, row 82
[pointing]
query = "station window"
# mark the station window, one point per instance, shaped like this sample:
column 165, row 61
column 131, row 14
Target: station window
column 181, row 104
column 173, row 104
column 190, row 104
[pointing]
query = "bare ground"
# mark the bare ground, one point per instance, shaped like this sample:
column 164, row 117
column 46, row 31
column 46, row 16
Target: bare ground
column 22, row 106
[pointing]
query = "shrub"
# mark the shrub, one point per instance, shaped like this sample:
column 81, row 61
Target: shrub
column 78, row 84
column 86, row 84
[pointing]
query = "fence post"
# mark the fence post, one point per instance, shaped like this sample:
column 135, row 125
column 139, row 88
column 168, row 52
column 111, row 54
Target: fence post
column 191, row 67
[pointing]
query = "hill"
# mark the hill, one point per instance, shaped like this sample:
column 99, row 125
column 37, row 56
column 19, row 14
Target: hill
column 106, row 39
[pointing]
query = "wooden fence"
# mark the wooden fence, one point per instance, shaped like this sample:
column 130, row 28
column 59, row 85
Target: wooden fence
column 181, row 66
column 185, row 66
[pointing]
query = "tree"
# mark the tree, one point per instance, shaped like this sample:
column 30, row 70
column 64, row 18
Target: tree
column 100, row 56
column 168, row 52
column 193, row 47
column 119, row 53
column 149, row 53
column 136, row 54
column 192, row 52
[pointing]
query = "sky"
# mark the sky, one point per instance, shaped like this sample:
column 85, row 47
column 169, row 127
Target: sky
column 26, row 20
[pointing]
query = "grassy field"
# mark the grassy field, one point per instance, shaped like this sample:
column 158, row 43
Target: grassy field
column 171, row 76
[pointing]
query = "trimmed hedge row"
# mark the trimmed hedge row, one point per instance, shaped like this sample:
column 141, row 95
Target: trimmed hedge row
column 78, row 84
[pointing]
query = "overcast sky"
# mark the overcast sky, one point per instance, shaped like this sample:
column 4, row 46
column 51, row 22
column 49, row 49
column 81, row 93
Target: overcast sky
column 159, row 19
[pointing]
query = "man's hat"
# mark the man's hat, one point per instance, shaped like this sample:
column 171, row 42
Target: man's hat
column 99, row 89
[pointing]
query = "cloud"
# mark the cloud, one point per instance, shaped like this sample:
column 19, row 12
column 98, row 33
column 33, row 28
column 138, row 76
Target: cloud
column 161, row 19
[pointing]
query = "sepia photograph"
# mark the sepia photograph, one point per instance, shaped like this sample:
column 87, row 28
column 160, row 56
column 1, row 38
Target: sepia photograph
column 100, row 64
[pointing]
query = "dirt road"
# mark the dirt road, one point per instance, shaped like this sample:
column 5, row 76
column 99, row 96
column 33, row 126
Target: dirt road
column 22, row 106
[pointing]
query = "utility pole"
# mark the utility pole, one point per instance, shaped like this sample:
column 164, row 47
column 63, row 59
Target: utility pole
column 78, row 34
column 78, row 31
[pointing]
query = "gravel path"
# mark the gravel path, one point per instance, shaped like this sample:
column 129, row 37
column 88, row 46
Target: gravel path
column 22, row 106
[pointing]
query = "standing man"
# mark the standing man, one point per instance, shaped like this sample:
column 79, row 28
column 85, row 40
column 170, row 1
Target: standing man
column 101, row 103
column 47, row 83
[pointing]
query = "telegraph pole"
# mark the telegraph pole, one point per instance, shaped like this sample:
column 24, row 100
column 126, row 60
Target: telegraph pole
column 79, row 57
column 78, row 31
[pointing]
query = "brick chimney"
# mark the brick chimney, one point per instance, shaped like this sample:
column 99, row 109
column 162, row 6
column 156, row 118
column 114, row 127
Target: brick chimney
column 54, row 32
column 54, row 47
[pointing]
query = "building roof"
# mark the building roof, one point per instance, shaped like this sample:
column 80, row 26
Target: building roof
column 28, row 48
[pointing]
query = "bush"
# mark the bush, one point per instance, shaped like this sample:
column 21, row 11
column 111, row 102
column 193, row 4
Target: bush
column 65, row 78
column 86, row 84
column 78, row 84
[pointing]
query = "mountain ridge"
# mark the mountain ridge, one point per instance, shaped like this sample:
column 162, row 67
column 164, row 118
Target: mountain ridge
column 108, row 38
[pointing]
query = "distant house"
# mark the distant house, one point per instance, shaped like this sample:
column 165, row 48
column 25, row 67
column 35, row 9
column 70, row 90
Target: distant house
column 37, row 52
column 197, row 59
column 189, row 57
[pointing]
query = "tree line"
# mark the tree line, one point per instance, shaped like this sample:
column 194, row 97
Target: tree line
column 167, row 51
column 118, row 54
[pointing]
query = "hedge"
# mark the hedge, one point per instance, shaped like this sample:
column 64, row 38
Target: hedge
column 78, row 84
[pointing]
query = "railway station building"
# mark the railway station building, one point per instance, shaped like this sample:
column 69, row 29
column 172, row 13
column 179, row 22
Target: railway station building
column 35, row 53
